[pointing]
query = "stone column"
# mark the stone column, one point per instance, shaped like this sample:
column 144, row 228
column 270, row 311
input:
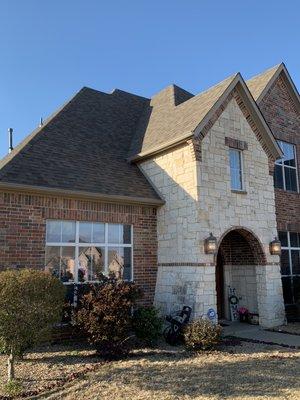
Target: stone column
column 269, row 295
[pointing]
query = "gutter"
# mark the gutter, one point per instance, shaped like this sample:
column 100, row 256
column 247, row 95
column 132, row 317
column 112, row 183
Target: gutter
column 81, row 194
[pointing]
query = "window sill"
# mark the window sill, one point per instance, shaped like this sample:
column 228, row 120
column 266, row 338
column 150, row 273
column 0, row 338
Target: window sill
column 238, row 191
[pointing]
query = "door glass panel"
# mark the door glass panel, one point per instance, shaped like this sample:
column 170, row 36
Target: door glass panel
column 294, row 239
column 283, row 239
column 296, row 288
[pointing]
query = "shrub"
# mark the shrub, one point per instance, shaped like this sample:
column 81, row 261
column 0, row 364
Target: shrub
column 201, row 334
column 104, row 316
column 30, row 303
column 147, row 324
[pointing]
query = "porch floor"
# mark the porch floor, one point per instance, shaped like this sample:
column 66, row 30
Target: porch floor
column 255, row 332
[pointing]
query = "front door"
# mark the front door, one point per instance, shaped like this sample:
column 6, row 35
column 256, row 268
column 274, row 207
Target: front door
column 220, row 285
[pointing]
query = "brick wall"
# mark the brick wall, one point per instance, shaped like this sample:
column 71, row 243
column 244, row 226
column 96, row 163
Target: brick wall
column 23, row 229
column 284, row 120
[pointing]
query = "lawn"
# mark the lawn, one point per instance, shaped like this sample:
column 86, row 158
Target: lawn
column 243, row 371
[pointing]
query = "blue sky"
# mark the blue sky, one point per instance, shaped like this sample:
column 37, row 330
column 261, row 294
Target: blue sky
column 50, row 49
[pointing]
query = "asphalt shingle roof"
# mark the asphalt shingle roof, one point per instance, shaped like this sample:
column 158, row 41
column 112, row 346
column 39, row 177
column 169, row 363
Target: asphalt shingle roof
column 258, row 83
column 84, row 147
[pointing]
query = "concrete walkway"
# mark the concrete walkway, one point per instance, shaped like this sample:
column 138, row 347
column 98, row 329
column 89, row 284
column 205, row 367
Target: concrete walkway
column 254, row 332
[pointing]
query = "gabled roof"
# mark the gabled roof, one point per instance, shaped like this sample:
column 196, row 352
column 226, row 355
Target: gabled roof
column 82, row 149
column 163, row 124
column 260, row 84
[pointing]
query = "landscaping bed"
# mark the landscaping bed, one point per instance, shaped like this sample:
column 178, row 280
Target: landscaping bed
column 236, row 370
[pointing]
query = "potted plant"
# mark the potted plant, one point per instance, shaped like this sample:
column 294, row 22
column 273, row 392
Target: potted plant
column 243, row 314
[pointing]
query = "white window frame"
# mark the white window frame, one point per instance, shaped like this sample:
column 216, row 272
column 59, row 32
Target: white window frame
column 106, row 245
column 281, row 164
column 240, row 152
column 289, row 248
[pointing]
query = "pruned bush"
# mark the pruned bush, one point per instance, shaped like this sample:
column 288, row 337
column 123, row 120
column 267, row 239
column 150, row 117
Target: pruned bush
column 202, row 334
column 31, row 303
column 104, row 316
column 147, row 324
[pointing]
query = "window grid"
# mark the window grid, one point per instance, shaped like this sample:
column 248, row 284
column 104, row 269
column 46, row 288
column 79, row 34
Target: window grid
column 283, row 166
column 291, row 275
column 106, row 245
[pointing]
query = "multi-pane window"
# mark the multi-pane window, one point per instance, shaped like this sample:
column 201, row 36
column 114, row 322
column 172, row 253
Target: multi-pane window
column 290, row 266
column 236, row 169
column 78, row 252
column 285, row 173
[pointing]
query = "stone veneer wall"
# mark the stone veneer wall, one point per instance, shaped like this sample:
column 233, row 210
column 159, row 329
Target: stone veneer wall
column 199, row 200
column 23, row 229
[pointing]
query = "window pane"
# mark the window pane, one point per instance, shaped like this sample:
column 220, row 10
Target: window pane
column 289, row 156
column 113, row 233
column 127, row 263
column 295, row 239
column 287, row 290
column 125, row 234
column 295, row 261
column 283, row 238
column 290, row 179
column 285, row 262
column 115, row 262
column 90, row 263
column 296, row 288
column 68, row 231
column 85, row 232
column 52, row 261
column 235, row 169
column 68, row 264
column 278, row 177
column 53, row 231
column 98, row 233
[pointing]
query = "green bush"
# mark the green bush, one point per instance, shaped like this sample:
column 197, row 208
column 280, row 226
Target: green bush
column 104, row 316
column 147, row 324
column 202, row 334
column 30, row 303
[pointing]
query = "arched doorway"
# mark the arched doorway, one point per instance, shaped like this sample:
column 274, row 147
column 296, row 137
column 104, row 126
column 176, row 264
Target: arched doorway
column 239, row 253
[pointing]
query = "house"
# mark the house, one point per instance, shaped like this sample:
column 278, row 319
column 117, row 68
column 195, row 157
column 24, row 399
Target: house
column 178, row 191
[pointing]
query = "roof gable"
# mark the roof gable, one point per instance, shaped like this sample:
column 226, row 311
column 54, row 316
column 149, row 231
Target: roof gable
column 259, row 85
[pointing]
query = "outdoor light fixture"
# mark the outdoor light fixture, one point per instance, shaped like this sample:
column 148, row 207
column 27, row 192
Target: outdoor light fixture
column 210, row 244
column 275, row 247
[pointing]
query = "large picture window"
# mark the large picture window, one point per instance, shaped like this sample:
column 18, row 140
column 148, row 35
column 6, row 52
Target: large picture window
column 285, row 173
column 78, row 252
column 290, row 266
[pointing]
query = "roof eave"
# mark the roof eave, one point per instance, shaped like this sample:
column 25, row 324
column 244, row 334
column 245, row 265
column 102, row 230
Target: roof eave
column 43, row 190
column 161, row 147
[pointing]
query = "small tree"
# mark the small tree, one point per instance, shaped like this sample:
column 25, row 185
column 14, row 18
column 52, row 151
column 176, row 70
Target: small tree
column 105, row 316
column 30, row 303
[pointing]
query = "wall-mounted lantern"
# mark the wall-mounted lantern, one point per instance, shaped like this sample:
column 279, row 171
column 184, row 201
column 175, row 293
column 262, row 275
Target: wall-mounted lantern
column 275, row 247
column 210, row 244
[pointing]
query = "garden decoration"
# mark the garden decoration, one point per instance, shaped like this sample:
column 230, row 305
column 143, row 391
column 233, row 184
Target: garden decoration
column 233, row 304
column 173, row 332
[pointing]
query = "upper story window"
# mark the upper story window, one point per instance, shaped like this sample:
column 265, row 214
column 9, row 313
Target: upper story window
column 285, row 173
column 78, row 252
column 236, row 169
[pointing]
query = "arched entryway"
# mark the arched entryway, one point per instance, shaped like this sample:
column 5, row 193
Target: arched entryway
column 239, row 253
